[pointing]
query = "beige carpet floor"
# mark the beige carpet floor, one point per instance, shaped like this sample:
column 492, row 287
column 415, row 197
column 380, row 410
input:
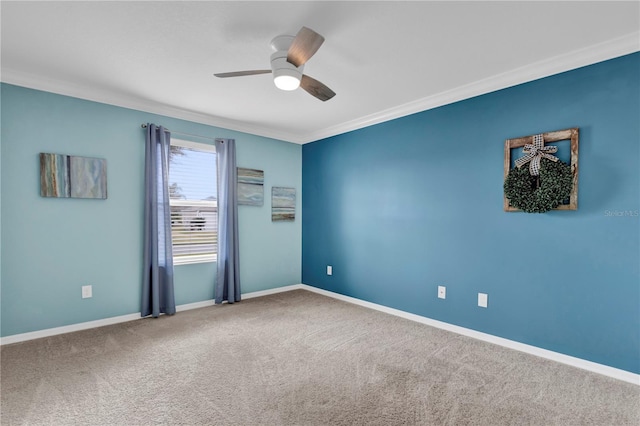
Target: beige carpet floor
column 295, row 358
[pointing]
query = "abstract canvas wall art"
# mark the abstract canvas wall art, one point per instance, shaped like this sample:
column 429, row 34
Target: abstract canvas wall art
column 283, row 204
column 68, row 176
column 250, row 187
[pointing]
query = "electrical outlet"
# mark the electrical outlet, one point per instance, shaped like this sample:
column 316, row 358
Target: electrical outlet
column 329, row 270
column 87, row 291
column 483, row 300
column 442, row 292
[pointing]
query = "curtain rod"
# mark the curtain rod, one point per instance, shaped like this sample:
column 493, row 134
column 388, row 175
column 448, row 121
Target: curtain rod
column 144, row 126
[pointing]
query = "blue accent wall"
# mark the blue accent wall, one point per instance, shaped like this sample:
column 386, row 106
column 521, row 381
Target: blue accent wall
column 51, row 247
column 401, row 207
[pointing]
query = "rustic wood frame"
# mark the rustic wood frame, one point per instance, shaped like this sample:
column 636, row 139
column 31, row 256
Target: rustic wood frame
column 558, row 135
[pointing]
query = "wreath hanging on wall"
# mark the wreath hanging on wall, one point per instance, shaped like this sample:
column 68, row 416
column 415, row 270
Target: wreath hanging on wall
column 542, row 186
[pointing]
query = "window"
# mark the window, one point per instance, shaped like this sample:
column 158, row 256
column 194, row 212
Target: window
column 193, row 201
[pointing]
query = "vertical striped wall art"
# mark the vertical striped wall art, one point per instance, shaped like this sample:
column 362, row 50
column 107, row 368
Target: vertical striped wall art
column 67, row 176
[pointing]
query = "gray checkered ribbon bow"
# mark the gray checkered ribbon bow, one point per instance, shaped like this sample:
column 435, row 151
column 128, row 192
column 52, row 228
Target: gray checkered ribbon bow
column 534, row 152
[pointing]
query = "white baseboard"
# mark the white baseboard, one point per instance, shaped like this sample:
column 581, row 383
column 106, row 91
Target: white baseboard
column 274, row 291
column 16, row 338
column 594, row 367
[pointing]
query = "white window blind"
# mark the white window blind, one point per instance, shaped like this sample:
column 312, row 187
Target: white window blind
column 193, row 201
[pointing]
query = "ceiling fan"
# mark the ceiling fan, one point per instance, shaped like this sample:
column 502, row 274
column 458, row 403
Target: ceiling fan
column 287, row 63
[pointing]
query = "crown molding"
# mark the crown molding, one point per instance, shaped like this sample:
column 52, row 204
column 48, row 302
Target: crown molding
column 579, row 58
column 74, row 90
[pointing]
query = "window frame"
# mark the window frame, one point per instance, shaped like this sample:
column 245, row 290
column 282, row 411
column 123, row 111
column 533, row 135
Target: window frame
column 203, row 258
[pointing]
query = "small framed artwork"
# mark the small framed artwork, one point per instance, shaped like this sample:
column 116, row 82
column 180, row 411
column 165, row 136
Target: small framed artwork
column 283, row 204
column 69, row 176
column 250, row 187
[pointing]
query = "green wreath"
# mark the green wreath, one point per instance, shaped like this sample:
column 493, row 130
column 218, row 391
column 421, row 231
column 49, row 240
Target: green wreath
column 539, row 194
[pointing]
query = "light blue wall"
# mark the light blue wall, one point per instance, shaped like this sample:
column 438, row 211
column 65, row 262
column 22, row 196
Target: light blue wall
column 404, row 206
column 51, row 247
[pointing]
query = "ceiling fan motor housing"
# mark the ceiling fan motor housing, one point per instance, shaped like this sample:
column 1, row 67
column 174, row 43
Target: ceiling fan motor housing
column 286, row 76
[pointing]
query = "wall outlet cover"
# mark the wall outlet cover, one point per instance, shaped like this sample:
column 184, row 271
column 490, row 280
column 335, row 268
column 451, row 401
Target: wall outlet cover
column 329, row 270
column 442, row 292
column 87, row 291
column 483, row 300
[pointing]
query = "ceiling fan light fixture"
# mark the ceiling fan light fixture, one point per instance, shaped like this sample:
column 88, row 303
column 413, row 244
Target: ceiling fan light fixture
column 286, row 80
column 286, row 76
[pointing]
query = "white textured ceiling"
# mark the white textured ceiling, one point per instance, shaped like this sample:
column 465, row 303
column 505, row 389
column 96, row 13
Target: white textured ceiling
column 383, row 59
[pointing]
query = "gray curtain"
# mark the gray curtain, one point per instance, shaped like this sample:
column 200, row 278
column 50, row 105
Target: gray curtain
column 228, row 277
column 157, row 285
